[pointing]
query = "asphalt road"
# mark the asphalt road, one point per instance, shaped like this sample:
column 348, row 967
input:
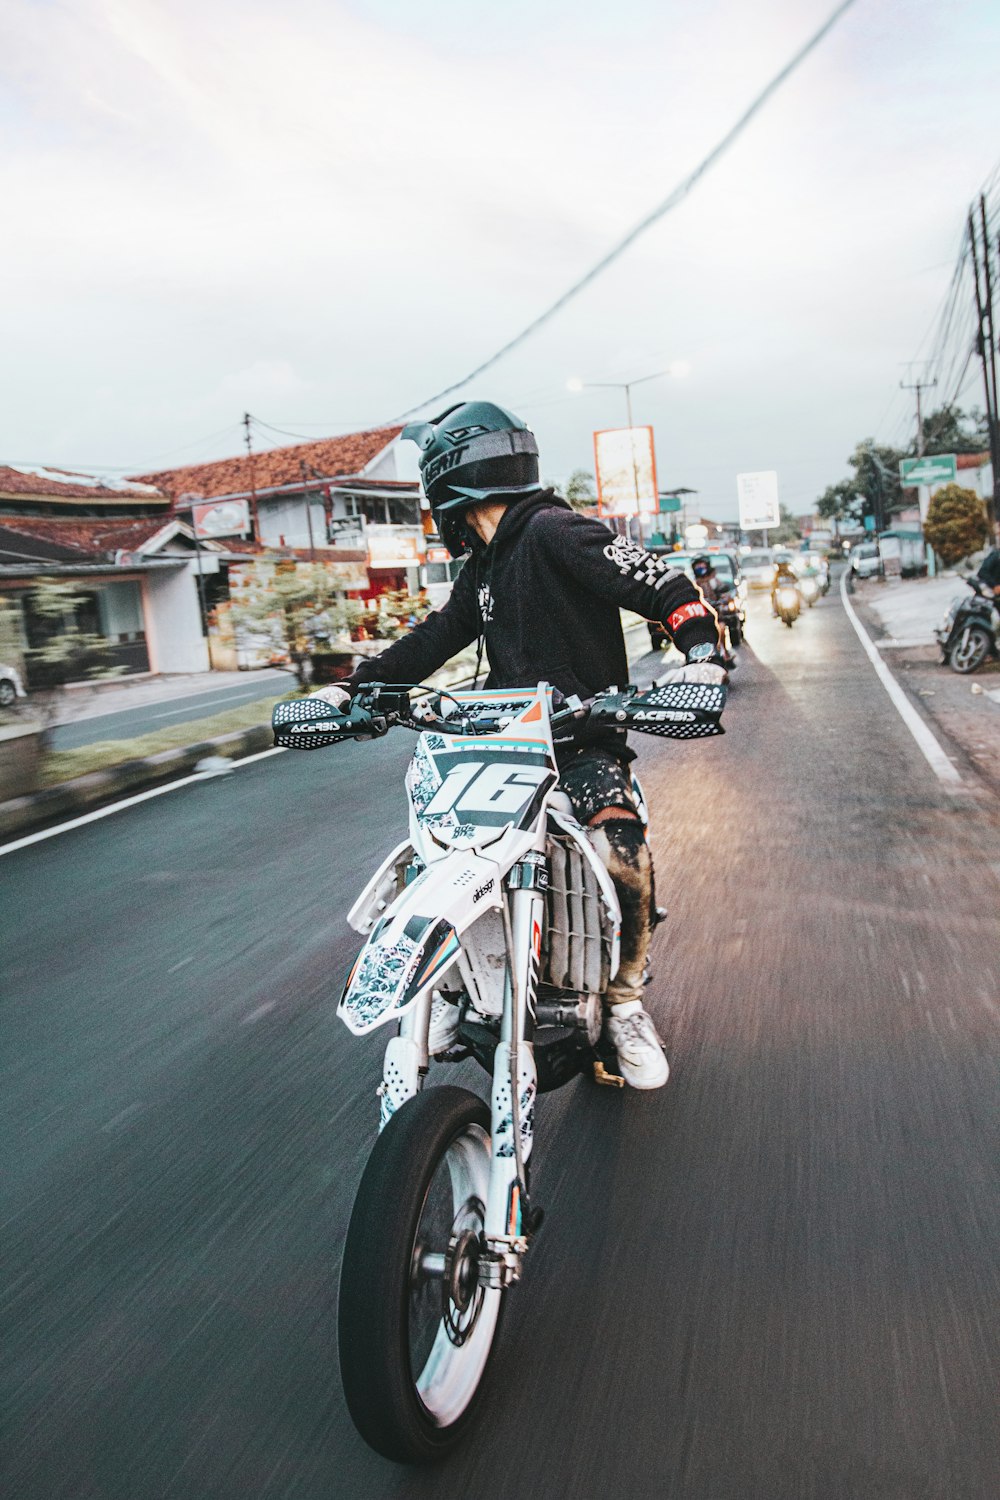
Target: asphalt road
column 777, row 1278
column 145, row 718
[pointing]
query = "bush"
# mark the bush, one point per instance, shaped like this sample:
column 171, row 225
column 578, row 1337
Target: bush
column 956, row 523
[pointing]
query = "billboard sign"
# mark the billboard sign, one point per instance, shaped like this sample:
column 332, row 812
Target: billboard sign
column 758, row 495
column 625, row 464
column 935, row 468
column 223, row 518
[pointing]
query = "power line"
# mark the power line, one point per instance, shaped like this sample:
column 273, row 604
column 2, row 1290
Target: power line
column 679, row 193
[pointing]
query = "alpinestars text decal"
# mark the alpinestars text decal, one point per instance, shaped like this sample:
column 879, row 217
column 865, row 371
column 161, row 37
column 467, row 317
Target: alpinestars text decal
column 631, row 559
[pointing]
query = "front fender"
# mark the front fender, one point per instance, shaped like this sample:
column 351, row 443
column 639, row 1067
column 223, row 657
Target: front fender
column 417, row 941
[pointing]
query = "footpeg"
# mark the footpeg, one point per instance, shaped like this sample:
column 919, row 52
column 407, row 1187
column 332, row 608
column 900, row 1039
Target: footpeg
column 609, row 1080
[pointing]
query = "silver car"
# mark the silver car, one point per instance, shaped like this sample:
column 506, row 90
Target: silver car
column 11, row 686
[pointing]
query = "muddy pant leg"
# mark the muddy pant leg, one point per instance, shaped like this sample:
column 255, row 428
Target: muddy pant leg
column 619, row 841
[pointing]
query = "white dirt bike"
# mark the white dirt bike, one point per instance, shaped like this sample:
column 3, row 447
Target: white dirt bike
column 498, row 903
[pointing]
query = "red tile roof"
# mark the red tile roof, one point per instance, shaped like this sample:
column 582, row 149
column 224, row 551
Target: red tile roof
column 37, row 482
column 85, row 540
column 971, row 460
column 270, row 470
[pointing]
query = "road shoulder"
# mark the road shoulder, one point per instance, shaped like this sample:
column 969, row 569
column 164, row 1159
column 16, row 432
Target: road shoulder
column 960, row 710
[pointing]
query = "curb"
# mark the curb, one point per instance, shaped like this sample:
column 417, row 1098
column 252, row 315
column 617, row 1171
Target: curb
column 22, row 814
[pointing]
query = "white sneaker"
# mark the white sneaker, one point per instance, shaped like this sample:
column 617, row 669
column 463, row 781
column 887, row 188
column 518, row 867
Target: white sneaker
column 443, row 1033
column 640, row 1052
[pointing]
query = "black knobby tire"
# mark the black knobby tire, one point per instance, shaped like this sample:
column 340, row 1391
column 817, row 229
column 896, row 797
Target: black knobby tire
column 735, row 636
column 376, row 1288
column 788, row 619
column 969, row 651
column 8, row 692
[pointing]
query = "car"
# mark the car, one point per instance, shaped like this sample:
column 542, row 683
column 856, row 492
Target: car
column 11, row 686
column 865, row 560
column 758, row 567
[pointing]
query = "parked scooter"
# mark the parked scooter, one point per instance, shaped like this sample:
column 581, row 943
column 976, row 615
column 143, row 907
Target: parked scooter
column 970, row 629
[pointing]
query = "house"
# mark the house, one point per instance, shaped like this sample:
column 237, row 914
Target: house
column 323, row 499
column 132, row 562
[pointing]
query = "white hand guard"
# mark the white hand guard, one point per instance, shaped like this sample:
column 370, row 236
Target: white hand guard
column 338, row 697
column 696, row 671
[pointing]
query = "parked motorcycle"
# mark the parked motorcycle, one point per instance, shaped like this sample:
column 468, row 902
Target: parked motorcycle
column 970, row 628
column 787, row 603
column 497, row 902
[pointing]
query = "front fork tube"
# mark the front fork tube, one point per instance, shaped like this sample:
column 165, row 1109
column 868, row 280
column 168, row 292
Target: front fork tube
column 406, row 1060
column 504, row 1226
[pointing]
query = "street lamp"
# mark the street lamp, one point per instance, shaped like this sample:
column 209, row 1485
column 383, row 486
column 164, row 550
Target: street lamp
column 677, row 368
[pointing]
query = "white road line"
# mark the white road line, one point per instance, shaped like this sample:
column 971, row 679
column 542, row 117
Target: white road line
column 114, row 807
column 931, row 750
column 229, row 698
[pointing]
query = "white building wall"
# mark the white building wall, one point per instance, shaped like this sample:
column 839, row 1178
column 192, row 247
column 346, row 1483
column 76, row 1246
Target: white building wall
column 173, row 621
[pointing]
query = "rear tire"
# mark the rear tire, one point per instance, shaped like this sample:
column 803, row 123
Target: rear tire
column 422, row 1194
column 969, row 651
column 8, row 692
column 735, row 636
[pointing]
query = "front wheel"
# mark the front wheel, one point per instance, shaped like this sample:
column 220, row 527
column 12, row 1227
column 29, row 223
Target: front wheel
column 969, row 651
column 415, row 1326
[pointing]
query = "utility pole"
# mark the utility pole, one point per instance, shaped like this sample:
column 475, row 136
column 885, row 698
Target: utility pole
column 918, row 386
column 309, row 518
column 253, row 482
column 986, row 348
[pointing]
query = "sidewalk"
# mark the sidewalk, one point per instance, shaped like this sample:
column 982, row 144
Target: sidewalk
column 900, row 618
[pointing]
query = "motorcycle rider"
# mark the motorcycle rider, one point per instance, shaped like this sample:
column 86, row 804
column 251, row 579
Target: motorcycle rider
column 541, row 587
column 784, row 574
column 707, row 580
column 989, row 572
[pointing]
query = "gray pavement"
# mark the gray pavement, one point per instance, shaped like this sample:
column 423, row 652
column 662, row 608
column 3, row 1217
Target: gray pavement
column 776, row 1278
column 128, row 710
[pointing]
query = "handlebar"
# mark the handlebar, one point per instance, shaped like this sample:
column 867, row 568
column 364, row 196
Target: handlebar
column 674, row 710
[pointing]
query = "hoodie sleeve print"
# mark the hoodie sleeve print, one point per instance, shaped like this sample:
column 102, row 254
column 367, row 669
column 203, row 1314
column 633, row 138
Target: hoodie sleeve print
column 625, row 573
column 438, row 637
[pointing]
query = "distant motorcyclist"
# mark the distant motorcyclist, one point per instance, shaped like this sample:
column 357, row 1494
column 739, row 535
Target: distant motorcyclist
column 713, row 589
column 784, row 574
column 542, row 587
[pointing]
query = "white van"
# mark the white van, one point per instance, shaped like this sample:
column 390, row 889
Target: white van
column 865, row 560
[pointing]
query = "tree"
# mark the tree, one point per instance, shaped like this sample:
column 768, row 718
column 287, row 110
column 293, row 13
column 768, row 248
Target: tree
column 788, row 529
column 956, row 523
column 297, row 606
column 580, row 490
column 951, row 430
column 873, row 488
column 67, row 653
column 841, row 501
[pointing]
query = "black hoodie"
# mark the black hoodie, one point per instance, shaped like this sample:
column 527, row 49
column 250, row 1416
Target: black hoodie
column 545, row 595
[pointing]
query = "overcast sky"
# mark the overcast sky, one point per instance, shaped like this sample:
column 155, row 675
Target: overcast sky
column 323, row 212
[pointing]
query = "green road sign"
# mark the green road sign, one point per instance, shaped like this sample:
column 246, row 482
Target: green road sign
column 670, row 502
column 937, row 468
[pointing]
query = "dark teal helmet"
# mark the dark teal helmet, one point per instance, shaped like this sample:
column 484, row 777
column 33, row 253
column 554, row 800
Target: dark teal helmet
column 472, row 452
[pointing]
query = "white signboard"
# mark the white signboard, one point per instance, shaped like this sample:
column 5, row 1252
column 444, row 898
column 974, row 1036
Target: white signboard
column 758, row 500
column 224, row 518
column 626, row 471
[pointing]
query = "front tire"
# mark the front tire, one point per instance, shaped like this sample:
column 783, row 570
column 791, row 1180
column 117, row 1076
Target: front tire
column 415, row 1329
column 969, row 651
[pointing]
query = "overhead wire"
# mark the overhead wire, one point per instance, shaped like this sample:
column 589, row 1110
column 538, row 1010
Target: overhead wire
column 675, row 197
